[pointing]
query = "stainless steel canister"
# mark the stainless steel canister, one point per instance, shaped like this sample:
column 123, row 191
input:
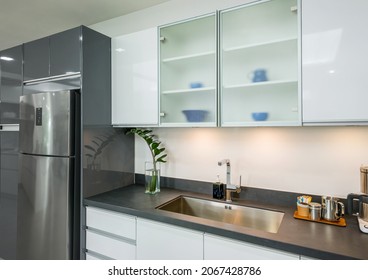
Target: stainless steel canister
column 364, row 179
column 315, row 210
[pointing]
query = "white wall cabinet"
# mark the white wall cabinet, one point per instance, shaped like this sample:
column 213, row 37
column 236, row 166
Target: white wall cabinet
column 161, row 241
column 134, row 79
column 188, row 65
column 334, row 61
column 220, row 248
column 110, row 235
column 260, row 64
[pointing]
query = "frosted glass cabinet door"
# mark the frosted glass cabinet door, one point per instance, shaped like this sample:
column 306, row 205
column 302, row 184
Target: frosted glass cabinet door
column 335, row 61
column 188, row 95
column 134, row 79
column 260, row 64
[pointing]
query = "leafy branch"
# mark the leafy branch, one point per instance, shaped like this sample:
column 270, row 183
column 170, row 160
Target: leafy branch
column 156, row 150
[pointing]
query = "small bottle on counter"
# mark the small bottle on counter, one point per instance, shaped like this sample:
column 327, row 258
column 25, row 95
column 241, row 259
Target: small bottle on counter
column 218, row 189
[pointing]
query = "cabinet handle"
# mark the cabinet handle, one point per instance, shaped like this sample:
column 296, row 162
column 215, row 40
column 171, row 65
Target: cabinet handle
column 162, row 114
column 294, row 9
column 162, row 39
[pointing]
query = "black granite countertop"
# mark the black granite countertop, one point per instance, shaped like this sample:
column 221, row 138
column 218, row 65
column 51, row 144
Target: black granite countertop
column 301, row 237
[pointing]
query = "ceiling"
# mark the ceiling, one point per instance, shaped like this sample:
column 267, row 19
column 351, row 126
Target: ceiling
column 26, row 20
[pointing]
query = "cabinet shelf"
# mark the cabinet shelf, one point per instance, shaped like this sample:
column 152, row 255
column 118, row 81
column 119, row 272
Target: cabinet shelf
column 262, row 84
column 190, row 56
column 189, row 90
column 188, row 124
column 260, row 123
column 257, row 45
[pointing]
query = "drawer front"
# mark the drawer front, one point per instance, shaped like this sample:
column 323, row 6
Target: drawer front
column 111, row 222
column 109, row 246
column 93, row 257
column 221, row 248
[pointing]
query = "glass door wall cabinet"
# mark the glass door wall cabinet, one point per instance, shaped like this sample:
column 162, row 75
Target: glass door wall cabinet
column 188, row 72
column 259, row 56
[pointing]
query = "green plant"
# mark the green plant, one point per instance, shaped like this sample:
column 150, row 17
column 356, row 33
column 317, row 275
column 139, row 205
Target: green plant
column 157, row 153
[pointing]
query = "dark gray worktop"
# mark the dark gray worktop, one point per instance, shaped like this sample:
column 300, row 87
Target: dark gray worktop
column 301, row 237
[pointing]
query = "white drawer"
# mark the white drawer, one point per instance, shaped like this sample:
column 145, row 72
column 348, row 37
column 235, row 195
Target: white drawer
column 111, row 222
column 91, row 257
column 109, row 247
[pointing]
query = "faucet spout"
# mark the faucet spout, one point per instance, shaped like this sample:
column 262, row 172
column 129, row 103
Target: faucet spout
column 228, row 170
column 230, row 188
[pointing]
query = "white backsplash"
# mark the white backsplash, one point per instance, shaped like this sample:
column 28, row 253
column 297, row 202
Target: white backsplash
column 315, row 160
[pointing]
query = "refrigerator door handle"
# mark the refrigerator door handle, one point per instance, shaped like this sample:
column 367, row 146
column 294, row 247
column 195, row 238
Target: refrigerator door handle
column 9, row 127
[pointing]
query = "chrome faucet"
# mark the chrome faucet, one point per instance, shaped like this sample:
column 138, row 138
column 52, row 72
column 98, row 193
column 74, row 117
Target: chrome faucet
column 230, row 188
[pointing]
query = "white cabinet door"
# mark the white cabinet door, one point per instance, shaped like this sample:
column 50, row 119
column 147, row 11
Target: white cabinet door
column 134, row 79
column 166, row 242
column 220, row 248
column 334, row 54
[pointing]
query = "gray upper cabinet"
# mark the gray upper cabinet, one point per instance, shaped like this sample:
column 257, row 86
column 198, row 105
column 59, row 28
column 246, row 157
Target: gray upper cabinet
column 55, row 55
column 10, row 84
column 36, row 59
column 65, row 48
column 76, row 58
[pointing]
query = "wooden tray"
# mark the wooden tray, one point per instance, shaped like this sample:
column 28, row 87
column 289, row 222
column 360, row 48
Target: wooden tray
column 341, row 222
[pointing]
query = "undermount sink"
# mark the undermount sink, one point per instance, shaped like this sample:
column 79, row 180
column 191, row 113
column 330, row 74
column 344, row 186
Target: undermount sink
column 251, row 217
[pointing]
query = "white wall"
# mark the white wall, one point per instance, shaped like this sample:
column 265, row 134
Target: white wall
column 316, row 160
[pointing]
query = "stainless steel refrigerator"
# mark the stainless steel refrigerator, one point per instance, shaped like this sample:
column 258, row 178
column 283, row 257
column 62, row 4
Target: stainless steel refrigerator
column 48, row 190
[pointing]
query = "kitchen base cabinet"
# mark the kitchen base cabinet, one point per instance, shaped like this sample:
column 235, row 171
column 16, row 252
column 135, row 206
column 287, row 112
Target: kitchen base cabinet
column 166, row 242
column 110, row 235
column 220, row 248
column 8, row 193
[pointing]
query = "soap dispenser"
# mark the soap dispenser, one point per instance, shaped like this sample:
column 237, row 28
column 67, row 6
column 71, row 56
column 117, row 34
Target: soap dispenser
column 218, row 189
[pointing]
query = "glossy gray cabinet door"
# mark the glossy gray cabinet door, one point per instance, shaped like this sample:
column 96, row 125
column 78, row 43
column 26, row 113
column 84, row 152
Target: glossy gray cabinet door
column 36, row 59
column 10, row 84
column 65, row 49
column 55, row 55
column 8, row 193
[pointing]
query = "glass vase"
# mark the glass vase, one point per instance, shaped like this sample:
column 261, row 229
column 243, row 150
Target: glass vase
column 152, row 177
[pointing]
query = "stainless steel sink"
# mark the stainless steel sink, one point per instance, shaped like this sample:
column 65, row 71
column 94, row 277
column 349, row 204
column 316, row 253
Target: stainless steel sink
column 251, row 217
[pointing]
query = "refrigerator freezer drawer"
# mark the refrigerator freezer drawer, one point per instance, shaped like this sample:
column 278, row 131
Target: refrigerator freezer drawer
column 45, row 196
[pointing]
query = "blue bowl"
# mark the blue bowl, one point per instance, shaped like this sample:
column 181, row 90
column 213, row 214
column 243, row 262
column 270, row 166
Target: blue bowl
column 196, row 85
column 195, row 115
column 260, row 116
